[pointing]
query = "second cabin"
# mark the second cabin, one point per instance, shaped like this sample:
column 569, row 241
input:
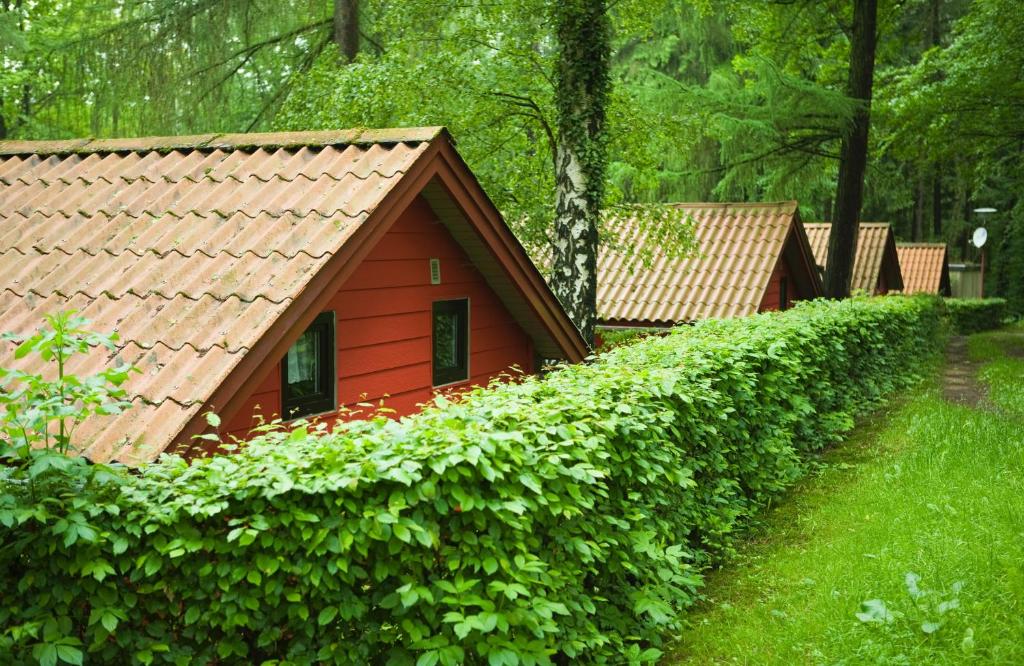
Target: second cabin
column 748, row 258
column 925, row 268
column 876, row 264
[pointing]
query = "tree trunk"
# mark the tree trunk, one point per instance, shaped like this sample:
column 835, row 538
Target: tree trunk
column 968, row 218
column 935, row 37
column 935, row 22
column 582, row 85
column 853, row 154
column 346, row 28
column 918, row 226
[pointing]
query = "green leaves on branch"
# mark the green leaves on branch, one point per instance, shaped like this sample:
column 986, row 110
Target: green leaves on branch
column 41, row 407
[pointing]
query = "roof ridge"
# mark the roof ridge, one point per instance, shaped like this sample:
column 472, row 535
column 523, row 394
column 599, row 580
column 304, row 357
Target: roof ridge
column 223, row 141
column 862, row 224
column 735, row 204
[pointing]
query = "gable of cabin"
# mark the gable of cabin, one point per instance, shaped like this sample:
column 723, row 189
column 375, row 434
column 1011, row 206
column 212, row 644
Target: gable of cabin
column 383, row 336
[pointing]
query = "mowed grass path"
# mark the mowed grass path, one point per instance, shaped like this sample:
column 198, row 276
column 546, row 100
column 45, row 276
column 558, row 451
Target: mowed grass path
column 920, row 514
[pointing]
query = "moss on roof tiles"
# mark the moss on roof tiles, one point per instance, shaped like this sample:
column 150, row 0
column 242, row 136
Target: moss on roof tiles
column 270, row 140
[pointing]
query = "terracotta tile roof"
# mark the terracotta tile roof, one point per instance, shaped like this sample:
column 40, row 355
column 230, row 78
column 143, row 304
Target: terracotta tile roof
column 188, row 247
column 739, row 246
column 874, row 240
column 925, row 268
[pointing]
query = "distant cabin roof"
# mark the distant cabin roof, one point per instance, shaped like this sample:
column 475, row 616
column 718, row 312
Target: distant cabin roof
column 208, row 254
column 925, row 267
column 738, row 247
column 876, row 252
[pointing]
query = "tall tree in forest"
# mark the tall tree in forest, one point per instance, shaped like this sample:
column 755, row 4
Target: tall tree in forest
column 346, row 28
column 842, row 242
column 582, row 84
column 935, row 41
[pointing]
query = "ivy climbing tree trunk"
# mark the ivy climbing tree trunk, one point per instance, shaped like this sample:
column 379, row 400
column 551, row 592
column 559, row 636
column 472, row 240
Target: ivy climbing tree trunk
column 346, row 28
column 842, row 243
column 582, row 84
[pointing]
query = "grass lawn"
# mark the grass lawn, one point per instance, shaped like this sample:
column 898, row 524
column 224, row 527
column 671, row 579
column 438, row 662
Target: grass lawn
column 916, row 523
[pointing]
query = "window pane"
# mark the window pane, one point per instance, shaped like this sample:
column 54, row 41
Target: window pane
column 450, row 341
column 303, row 363
column 446, row 340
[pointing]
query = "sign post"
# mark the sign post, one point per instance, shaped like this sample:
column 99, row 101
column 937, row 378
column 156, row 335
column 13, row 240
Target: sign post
column 978, row 240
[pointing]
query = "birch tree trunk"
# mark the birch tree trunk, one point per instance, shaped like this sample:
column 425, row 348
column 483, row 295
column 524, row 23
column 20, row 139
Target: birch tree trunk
column 842, row 243
column 582, row 84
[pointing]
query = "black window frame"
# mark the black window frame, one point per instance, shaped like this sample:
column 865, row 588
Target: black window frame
column 784, row 293
column 460, row 373
column 323, row 402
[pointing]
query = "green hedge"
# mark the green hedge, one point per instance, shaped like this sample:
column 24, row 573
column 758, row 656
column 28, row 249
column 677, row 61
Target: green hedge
column 971, row 315
column 563, row 517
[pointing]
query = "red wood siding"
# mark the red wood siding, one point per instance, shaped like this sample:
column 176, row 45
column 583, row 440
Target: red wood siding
column 773, row 293
column 383, row 324
column 883, row 285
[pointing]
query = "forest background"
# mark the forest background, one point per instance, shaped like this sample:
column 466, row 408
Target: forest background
column 707, row 101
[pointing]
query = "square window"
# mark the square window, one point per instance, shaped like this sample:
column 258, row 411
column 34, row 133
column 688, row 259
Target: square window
column 450, row 357
column 307, row 371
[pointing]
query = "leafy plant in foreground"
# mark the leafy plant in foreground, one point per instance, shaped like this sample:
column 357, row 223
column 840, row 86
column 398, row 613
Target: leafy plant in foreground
column 40, row 413
column 44, row 492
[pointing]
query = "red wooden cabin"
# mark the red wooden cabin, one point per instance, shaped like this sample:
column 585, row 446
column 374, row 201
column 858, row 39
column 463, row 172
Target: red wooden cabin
column 876, row 264
column 925, row 268
column 293, row 274
column 749, row 258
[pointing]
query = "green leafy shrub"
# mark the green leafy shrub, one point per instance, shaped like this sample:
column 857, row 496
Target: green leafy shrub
column 40, row 485
column 971, row 315
column 570, row 515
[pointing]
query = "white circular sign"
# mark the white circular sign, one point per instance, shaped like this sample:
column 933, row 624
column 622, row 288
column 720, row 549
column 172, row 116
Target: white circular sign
column 980, row 236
